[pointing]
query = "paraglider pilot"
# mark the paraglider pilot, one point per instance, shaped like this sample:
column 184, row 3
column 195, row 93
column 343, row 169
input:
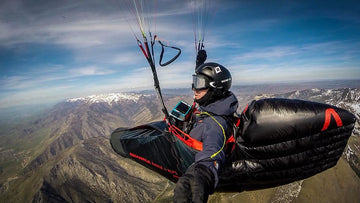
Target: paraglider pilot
column 211, row 84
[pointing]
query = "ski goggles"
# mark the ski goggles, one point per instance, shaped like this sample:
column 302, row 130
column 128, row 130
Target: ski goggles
column 200, row 82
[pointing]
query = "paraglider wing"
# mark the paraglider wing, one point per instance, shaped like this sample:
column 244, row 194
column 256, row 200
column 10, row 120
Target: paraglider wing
column 283, row 140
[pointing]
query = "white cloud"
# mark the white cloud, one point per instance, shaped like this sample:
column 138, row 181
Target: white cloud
column 89, row 71
column 77, row 28
column 45, row 75
column 268, row 53
column 13, row 82
column 126, row 58
column 37, row 95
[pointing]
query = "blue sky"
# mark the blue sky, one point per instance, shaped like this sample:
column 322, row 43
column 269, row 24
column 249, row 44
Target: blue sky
column 53, row 50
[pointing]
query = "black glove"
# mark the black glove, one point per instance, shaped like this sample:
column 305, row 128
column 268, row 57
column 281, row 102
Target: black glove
column 201, row 57
column 195, row 185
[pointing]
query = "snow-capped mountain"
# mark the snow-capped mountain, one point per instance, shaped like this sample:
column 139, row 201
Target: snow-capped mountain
column 110, row 98
column 347, row 98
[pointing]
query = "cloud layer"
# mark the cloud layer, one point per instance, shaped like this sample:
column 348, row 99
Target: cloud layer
column 52, row 50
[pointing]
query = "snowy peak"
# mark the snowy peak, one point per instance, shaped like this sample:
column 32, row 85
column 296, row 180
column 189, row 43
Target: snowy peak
column 347, row 98
column 108, row 98
column 345, row 95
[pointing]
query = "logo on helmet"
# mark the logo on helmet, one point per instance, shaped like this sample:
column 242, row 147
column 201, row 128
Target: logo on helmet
column 226, row 80
column 217, row 69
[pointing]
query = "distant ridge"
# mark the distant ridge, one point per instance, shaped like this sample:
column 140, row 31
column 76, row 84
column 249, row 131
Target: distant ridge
column 108, row 98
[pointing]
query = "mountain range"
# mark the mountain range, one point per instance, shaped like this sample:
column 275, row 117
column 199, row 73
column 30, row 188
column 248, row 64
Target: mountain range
column 65, row 155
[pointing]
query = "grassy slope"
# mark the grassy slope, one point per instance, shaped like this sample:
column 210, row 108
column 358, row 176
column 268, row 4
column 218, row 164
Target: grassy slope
column 24, row 188
column 21, row 149
column 339, row 184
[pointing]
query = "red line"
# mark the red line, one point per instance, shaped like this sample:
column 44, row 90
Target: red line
column 142, row 49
